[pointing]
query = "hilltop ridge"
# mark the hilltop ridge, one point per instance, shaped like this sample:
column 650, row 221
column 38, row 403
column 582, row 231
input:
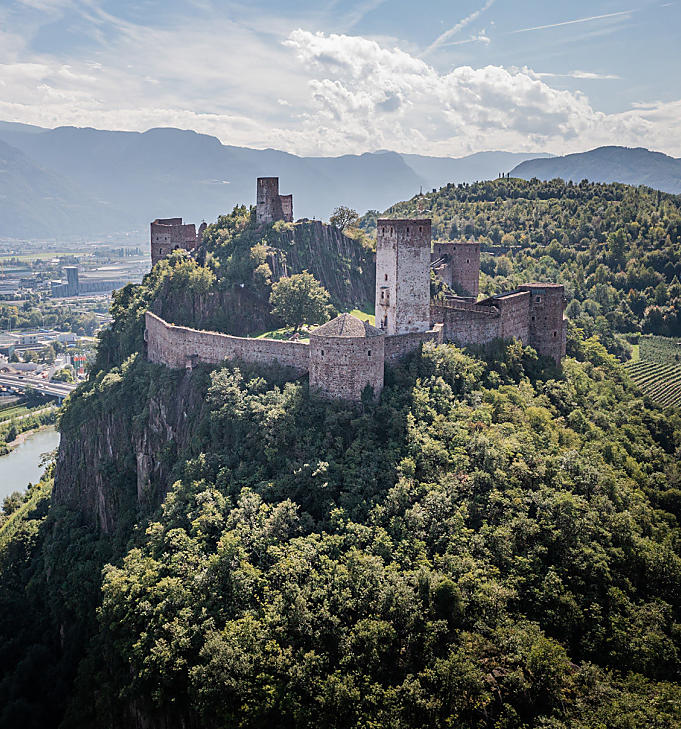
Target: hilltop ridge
column 632, row 166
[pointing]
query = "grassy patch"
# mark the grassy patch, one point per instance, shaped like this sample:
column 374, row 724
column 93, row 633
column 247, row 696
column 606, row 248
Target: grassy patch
column 366, row 314
column 12, row 411
column 284, row 333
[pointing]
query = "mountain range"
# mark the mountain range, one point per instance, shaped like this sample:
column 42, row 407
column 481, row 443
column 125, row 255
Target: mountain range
column 73, row 182
column 633, row 166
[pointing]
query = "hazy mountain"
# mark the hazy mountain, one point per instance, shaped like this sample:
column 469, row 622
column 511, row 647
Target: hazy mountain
column 122, row 180
column 36, row 202
column 633, row 166
column 438, row 171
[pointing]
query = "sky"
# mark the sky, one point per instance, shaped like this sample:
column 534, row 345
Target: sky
column 333, row 77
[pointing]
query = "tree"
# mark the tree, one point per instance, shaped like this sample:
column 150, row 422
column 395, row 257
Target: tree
column 299, row 299
column 343, row 218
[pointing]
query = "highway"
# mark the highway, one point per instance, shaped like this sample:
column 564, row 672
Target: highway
column 54, row 389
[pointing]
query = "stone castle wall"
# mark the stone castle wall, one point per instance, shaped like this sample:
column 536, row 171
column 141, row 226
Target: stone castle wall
column 514, row 310
column 398, row 346
column 460, row 269
column 341, row 367
column 169, row 234
column 547, row 326
column 180, row 347
column 467, row 324
column 270, row 206
column 403, row 275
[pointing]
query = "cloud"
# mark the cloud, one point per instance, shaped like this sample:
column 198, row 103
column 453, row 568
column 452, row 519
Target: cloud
column 313, row 93
column 366, row 96
column 440, row 40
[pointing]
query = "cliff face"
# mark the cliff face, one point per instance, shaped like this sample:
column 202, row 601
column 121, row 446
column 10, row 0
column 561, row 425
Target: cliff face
column 237, row 311
column 118, row 456
column 343, row 266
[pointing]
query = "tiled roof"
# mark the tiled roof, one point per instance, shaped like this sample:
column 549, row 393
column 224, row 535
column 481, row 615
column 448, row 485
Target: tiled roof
column 346, row 325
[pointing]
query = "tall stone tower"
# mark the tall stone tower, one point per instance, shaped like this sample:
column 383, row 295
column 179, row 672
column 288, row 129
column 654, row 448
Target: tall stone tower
column 459, row 266
column 547, row 325
column 403, row 275
column 270, row 206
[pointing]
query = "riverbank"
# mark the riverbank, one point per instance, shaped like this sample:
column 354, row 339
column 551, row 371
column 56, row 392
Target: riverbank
column 32, row 422
column 21, row 437
column 23, row 464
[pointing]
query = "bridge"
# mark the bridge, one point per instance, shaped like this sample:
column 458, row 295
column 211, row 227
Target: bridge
column 52, row 389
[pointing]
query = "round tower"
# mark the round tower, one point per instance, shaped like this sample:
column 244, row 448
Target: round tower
column 346, row 355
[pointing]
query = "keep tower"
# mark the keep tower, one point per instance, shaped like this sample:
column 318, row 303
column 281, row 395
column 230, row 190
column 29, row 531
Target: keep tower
column 270, row 205
column 403, row 275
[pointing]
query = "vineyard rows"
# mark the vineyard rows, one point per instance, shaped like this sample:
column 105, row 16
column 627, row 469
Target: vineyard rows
column 661, row 381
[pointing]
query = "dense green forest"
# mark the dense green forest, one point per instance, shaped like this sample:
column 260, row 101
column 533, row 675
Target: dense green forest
column 616, row 248
column 496, row 543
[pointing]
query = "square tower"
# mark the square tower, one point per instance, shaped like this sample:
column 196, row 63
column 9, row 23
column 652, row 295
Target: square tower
column 403, row 275
column 547, row 325
column 459, row 266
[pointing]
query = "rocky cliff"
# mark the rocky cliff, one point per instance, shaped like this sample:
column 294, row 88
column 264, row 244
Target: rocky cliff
column 122, row 438
column 344, row 267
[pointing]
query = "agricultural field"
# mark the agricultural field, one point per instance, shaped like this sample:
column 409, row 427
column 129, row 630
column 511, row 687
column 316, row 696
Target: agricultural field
column 657, row 369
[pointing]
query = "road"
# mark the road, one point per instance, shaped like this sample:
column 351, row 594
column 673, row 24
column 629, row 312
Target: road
column 54, row 389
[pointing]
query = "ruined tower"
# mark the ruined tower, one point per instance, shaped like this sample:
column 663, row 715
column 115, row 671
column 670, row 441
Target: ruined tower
column 403, row 275
column 547, row 325
column 346, row 355
column 270, row 205
column 458, row 265
column 169, row 234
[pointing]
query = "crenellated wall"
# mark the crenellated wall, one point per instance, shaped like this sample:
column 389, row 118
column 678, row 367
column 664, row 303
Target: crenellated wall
column 180, row 347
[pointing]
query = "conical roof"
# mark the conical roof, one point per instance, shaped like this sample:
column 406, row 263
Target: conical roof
column 346, row 325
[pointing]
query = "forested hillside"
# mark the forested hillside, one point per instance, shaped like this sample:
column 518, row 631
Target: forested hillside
column 616, row 248
column 496, row 543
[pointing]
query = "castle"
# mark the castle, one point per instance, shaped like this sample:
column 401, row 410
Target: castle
column 170, row 234
column 346, row 355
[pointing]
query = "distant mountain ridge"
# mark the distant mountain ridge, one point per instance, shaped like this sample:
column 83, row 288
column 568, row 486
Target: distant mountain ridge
column 79, row 182
column 632, row 166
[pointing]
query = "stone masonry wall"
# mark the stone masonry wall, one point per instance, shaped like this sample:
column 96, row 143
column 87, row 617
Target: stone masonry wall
column 180, row 347
column 341, row 367
column 286, row 202
column 547, row 328
column 514, row 312
column 461, row 270
column 168, row 234
column 398, row 346
column 466, row 324
column 403, row 265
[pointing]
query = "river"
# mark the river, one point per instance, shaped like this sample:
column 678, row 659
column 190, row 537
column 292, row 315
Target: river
column 22, row 465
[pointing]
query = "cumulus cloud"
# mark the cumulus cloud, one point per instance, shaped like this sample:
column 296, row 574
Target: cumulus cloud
column 368, row 96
